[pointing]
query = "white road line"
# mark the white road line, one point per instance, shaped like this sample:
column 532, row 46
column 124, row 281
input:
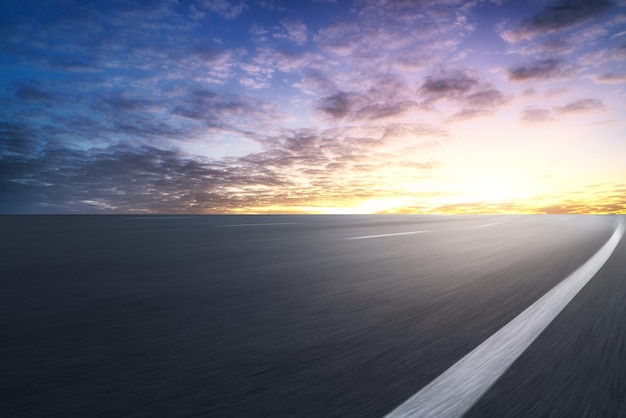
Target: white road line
column 264, row 224
column 456, row 390
column 386, row 235
column 485, row 225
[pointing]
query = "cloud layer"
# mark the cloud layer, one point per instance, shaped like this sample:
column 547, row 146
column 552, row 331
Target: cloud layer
column 557, row 18
column 232, row 106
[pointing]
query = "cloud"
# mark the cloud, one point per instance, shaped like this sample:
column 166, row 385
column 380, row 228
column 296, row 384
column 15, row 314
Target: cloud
column 582, row 105
column 533, row 115
column 33, row 92
column 237, row 112
column 138, row 103
column 486, row 98
column 415, row 60
column 619, row 34
column 263, row 65
column 133, row 179
column 225, row 8
column 548, row 47
column 468, row 114
column 386, row 32
column 339, row 105
column 612, row 204
column 610, row 78
column 450, row 85
column 314, row 81
column 405, row 5
column 554, row 19
column 296, row 30
column 412, row 130
column 296, row 168
column 384, row 110
column 253, row 84
column 537, row 114
column 382, row 96
column 551, row 68
column 17, row 140
column 290, row 61
column 603, row 56
column 341, row 37
column 465, row 90
column 479, row 104
column 583, row 207
column 214, row 63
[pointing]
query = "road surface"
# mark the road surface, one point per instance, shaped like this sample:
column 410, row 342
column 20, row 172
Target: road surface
column 310, row 316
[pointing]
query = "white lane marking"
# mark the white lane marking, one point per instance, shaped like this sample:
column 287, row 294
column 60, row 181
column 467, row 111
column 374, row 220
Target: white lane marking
column 264, row 224
column 485, row 225
column 386, row 235
column 456, row 390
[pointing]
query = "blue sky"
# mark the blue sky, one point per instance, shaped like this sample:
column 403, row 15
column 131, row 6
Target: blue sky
column 360, row 106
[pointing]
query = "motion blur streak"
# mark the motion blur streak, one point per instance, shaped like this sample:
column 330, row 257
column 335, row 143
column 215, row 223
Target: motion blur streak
column 284, row 316
column 454, row 392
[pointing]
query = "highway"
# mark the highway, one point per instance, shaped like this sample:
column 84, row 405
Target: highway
column 313, row 316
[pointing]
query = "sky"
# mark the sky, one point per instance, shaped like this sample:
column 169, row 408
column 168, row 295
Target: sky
column 313, row 106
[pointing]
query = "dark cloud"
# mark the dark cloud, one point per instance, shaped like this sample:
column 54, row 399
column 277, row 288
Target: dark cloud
column 122, row 103
column 566, row 15
column 201, row 104
column 449, row 85
column 338, row 105
column 551, row 68
column 17, row 140
column 128, row 92
column 474, row 97
column 73, row 64
column 296, row 168
column 583, row 105
column 34, row 92
column 379, row 111
column 384, row 96
column 554, row 46
column 133, row 179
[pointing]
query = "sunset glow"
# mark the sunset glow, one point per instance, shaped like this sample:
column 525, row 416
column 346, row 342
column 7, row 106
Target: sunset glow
column 319, row 106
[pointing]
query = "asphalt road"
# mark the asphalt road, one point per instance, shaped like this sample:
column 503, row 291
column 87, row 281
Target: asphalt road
column 300, row 316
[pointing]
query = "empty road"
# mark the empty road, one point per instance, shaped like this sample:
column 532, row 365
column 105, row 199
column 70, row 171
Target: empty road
column 313, row 316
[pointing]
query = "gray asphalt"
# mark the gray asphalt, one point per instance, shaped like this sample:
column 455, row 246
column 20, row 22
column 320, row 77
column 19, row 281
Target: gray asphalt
column 290, row 316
